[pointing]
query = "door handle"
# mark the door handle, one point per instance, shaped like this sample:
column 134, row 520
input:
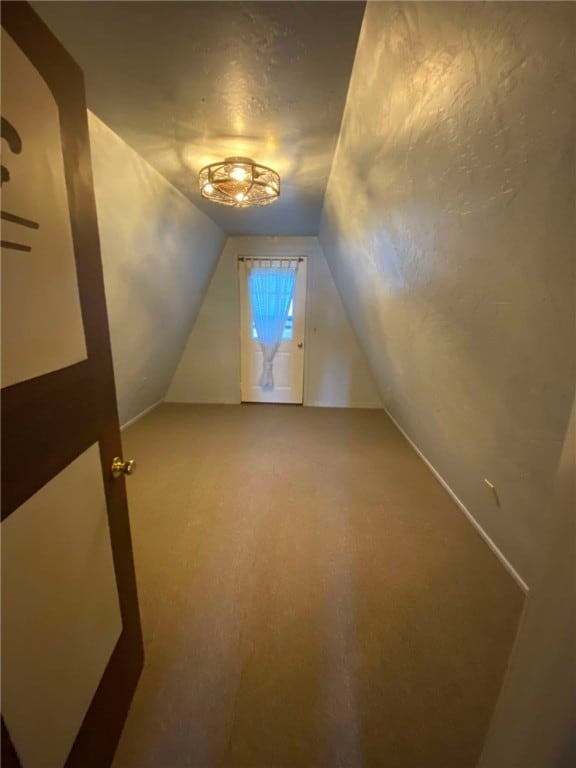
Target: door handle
column 120, row 467
column 300, row 345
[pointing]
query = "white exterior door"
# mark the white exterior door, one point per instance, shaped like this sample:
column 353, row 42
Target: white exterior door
column 288, row 370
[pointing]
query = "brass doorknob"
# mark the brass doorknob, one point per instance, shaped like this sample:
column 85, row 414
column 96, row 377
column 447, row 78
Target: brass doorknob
column 300, row 345
column 120, row 467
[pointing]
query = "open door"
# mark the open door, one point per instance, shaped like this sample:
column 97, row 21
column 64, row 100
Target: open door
column 71, row 638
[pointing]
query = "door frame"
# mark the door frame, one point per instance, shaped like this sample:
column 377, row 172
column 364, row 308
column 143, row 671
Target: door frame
column 241, row 258
column 81, row 396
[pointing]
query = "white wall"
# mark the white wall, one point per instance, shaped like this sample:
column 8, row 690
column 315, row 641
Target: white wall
column 335, row 373
column 448, row 226
column 158, row 254
column 535, row 721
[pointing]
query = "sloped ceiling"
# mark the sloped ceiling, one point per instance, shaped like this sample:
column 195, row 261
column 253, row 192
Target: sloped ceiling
column 189, row 83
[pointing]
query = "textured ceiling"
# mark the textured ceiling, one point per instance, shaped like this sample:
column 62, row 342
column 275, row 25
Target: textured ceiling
column 189, row 83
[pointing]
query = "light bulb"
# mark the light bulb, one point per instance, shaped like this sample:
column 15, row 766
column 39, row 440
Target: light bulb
column 240, row 196
column 237, row 173
column 208, row 188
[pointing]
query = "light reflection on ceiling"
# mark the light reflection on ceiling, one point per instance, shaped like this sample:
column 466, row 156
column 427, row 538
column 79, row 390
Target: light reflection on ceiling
column 190, row 83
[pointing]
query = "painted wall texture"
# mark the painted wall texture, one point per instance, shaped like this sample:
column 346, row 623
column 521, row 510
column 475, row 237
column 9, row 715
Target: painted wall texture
column 335, row 370
column 534, row 725
column 158, row 254
column 448, row 227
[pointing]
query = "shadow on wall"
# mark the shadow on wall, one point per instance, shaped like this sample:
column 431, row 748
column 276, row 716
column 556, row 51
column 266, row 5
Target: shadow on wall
column 158, row 254
column 335, row 382
column 341, row 377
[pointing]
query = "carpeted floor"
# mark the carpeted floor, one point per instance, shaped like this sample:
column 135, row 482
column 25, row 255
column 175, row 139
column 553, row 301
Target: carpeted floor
column 311, row 596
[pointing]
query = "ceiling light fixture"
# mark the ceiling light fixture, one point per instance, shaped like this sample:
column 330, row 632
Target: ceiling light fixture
column 239, row 182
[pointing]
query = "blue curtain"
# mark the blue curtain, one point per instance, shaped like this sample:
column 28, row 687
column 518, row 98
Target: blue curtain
column 271, row 290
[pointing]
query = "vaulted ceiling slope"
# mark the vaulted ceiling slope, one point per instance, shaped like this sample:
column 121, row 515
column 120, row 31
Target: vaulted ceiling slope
column 189, row 83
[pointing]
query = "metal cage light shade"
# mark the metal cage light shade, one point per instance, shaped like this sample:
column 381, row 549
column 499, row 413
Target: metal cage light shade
column 239, row 182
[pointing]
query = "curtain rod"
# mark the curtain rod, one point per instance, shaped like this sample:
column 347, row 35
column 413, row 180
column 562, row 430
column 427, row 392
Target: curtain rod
column 270, row 258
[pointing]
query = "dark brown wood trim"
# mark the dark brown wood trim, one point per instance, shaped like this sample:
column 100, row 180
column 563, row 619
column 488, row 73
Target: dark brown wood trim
column 65, row 404
column 8, row 756
column 119, row 523
column 18, row 220
column 101, row 730
column 14, row 246
column 98, row 738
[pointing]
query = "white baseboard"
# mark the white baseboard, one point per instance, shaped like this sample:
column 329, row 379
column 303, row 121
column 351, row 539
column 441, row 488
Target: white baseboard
column 505, row 562
column 224, row 401
column 140, row 415
column 339, row 404
column 307, row 403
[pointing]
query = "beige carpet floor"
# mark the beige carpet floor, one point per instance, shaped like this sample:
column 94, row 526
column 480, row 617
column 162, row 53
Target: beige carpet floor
column 311, row 596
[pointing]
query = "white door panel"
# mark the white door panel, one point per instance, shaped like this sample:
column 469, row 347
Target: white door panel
column 284, row 390
column 60, row 608
column 38, row 264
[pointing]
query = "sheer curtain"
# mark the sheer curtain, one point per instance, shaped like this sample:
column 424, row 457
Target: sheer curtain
column 271, row 288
